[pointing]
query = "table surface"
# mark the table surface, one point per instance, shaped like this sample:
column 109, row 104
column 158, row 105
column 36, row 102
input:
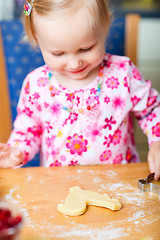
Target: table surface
column 37, row 191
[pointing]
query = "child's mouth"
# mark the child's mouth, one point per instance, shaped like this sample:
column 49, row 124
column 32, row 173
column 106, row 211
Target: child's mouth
column 79, row 71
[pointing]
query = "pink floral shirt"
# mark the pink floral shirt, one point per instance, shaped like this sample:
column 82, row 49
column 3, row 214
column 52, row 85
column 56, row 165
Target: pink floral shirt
column 94, row 130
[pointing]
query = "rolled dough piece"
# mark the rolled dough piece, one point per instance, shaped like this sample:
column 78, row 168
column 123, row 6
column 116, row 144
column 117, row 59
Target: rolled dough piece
column 77, row 200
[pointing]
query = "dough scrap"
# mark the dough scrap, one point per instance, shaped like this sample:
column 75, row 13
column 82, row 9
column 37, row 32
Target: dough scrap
column 77, row 200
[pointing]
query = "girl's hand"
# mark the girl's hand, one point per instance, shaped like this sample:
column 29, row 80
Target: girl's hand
column 10, row 156
column 154, row 159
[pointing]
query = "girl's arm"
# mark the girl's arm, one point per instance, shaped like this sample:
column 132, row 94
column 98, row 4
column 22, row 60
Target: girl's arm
column 26, row 133
column 146, row 108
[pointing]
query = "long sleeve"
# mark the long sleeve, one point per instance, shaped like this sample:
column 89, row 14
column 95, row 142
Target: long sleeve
column 26, row 134
column 146, row 105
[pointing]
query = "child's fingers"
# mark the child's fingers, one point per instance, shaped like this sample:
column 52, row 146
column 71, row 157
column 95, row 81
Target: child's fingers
column 151, row 163
column 10, row 157
column 2, row 146
column 157, row 168
column 157, row 175
column 18, row 157
column 154, row 164
column 3, row 154
column 154, row 159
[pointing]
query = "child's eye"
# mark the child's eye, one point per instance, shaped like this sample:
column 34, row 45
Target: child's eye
column 57, row 54
column 86, row 49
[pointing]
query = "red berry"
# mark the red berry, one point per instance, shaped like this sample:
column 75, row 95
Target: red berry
column 5, row 214
column 7, row 220
column 17, row 220
column 1, row 226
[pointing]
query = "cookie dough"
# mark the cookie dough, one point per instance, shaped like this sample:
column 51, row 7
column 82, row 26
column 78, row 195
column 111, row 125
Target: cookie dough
column 77, row 200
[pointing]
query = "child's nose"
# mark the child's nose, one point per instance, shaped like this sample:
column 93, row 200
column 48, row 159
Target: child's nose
column 74, row 63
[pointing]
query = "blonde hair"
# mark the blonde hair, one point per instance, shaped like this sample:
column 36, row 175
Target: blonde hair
column 98, row 10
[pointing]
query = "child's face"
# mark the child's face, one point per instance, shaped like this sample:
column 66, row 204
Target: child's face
column 68, row 47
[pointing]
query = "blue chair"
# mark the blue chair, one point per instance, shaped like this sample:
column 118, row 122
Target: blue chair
column 115, row 43
column 21, row 58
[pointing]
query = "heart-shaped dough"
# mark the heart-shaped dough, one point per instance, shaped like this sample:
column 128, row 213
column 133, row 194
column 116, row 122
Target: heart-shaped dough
column 77, row 200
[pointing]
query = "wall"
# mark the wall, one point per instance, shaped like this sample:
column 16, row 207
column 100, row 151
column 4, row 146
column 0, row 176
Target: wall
column 149, row 65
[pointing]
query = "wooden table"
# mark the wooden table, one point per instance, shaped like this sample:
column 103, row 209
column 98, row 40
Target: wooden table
column 37, row 191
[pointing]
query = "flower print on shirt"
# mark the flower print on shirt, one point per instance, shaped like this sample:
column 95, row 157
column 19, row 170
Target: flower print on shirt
column 55, row 151
column 77, row 101
column 54, row 91
column 121, row 65
column 38, row 106
column 126, row 84
column 56, row 164
column 46, row 105
column 108, row 140
column 63, row 158
column 28, row 112
column 151, row 100
column 128, row 155
column 73, row 163
column 48, row 126
column 112, row 82
column 45, row 69
column 118, row 159
column 36, row 95
column 55, row 109
column 93, row 91
column 72, row 118
column 35, row 103
column 92, row 103
column 28, row 141
column 41, row 82
column 115, row 139
column 106, row 100
column 136, row 74
column 135, row 100
column 118, row 102
column 49, row 141
column 156, row 130
column 151, row 117
column 35, row 130
column 70, row 96
column 109, row 123
column 77, row 144
column 94, row 131
column 105, row 156
column 27, row 88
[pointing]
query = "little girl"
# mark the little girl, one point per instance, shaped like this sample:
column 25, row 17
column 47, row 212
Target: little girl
column 76, row 108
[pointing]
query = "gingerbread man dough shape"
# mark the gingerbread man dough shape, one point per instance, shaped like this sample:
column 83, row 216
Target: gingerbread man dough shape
column 77, row 200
